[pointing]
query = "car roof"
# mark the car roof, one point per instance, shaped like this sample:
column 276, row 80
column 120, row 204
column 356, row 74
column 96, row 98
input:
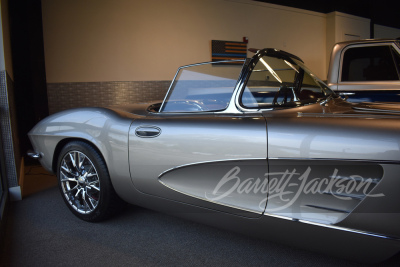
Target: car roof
column 363, row 41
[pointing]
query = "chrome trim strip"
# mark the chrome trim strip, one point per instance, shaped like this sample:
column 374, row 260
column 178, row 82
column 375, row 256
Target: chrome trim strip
column 334, row 227
column 337, row 159
column 374, row 110
column 206, row 162
column 169, row 89
column 232, row 107
column 379, row 115
column 326, row 208
column 217, row 203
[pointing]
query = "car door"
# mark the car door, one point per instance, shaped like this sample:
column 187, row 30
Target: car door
column 319, row 167
column 209, row 160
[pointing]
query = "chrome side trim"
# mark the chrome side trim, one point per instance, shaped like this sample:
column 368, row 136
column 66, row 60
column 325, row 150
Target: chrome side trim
column 205, row 162
column 260, row 212
column 169, row 89
column 375, row 110
column 327, row 208
column 384, row 114
column 337, row 159
column 217, row 203
column 334, row 227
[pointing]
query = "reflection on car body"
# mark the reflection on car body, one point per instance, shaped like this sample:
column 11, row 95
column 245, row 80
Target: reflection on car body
column 265, row 148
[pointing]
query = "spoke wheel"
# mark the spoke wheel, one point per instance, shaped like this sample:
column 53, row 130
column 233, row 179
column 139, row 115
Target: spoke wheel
column 85, row 184
column 80, row 182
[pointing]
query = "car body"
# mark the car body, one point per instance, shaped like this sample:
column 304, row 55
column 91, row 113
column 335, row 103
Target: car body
column 260, row 146
column 366, row 70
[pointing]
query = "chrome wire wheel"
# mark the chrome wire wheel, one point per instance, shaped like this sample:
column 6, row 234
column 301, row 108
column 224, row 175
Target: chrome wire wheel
column 80, row 182
column 85, row 183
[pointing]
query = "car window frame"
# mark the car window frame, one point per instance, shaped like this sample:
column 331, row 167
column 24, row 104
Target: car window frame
column 252, row 63
column 343, row 53
column 243, row 66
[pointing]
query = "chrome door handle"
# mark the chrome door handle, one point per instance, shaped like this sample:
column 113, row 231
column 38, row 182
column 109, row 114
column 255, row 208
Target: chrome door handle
column 147, row 131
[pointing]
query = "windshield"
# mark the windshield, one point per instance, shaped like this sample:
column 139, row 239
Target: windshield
column 202, row 87
column 279, row 82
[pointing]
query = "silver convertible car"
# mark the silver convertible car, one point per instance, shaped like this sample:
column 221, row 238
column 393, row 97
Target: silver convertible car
column 261, row 146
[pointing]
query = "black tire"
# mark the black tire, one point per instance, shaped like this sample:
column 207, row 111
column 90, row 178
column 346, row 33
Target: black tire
column 85, row 183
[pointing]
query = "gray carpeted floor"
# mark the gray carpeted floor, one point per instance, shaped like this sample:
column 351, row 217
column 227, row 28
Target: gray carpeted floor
column 41, row 231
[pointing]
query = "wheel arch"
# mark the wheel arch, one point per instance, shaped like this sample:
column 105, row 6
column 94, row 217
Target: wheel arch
column 65, row 141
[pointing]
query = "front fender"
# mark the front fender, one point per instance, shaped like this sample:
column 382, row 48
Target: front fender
column 106, row 129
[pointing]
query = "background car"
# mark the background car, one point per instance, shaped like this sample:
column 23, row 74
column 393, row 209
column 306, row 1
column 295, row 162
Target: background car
column 366, row 70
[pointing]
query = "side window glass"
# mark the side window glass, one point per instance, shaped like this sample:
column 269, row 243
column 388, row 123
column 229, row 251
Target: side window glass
column 202, row 87
column 263, row 88
column 310, row 90
column 276, row 82
column 374, row 63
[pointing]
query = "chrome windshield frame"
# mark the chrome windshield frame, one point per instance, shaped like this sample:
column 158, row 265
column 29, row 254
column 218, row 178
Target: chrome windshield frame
column 193, row 65
column 234, row 105
column 253, row 62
